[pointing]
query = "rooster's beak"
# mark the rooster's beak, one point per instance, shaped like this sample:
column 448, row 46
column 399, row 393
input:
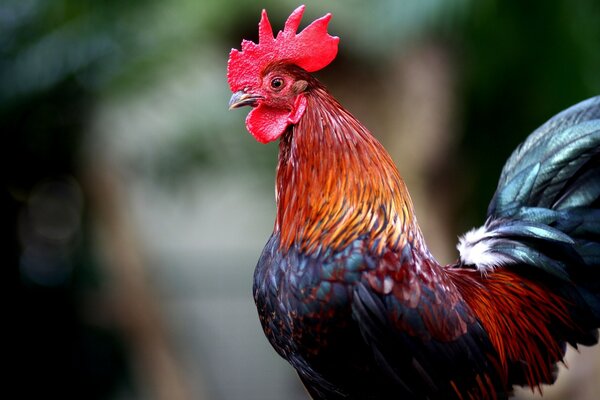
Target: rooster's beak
column 241, row 98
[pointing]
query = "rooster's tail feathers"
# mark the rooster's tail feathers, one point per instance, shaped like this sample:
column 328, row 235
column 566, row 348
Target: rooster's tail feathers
column 545, row 215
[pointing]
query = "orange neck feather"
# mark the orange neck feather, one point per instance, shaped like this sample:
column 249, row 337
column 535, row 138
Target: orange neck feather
column 336, row 183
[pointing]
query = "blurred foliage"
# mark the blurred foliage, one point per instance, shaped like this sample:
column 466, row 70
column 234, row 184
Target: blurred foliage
column 53, row 56
column 65, row 64
column 522, row 62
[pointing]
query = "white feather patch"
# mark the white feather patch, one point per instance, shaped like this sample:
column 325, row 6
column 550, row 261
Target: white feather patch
column 476, row 248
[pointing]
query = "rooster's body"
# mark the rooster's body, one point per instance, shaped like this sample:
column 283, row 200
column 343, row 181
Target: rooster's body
column 346, row 288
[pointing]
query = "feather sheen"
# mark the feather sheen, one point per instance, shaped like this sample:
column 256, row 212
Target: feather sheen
column 543, row 222
column 556, row 168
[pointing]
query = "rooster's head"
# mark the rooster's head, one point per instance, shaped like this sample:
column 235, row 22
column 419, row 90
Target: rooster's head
column 272, row 76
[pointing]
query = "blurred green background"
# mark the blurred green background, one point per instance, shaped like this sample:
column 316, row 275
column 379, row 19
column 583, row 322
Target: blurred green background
column 136, row 205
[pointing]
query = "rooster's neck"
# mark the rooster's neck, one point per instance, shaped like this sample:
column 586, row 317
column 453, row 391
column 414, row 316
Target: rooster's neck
column 336, row 183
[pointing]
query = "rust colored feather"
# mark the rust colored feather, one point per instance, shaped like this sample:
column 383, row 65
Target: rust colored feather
column 519, row 316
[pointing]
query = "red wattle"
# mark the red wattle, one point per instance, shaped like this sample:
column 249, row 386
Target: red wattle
column 266, row 123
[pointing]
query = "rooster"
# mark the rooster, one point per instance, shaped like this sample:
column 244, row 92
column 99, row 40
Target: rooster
column 346, row 289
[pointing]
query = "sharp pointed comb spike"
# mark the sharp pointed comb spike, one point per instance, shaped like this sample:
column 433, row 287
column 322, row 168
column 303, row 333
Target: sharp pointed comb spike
column 265, row 32
column 293, row 22
column 312, row 49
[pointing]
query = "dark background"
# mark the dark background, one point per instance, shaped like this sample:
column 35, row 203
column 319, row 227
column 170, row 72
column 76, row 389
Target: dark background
column 135, row 205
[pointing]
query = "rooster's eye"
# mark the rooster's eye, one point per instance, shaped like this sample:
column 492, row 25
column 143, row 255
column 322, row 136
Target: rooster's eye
column 277, row 83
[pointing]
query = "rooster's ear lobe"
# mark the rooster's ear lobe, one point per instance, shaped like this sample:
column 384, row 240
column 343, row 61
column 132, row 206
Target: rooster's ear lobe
column 299, row 86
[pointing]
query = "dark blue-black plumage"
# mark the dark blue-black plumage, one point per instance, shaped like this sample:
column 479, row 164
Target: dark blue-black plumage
column 326, row 314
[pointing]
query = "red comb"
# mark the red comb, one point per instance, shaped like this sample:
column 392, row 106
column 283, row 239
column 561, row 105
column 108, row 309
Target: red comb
column 311, row 49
